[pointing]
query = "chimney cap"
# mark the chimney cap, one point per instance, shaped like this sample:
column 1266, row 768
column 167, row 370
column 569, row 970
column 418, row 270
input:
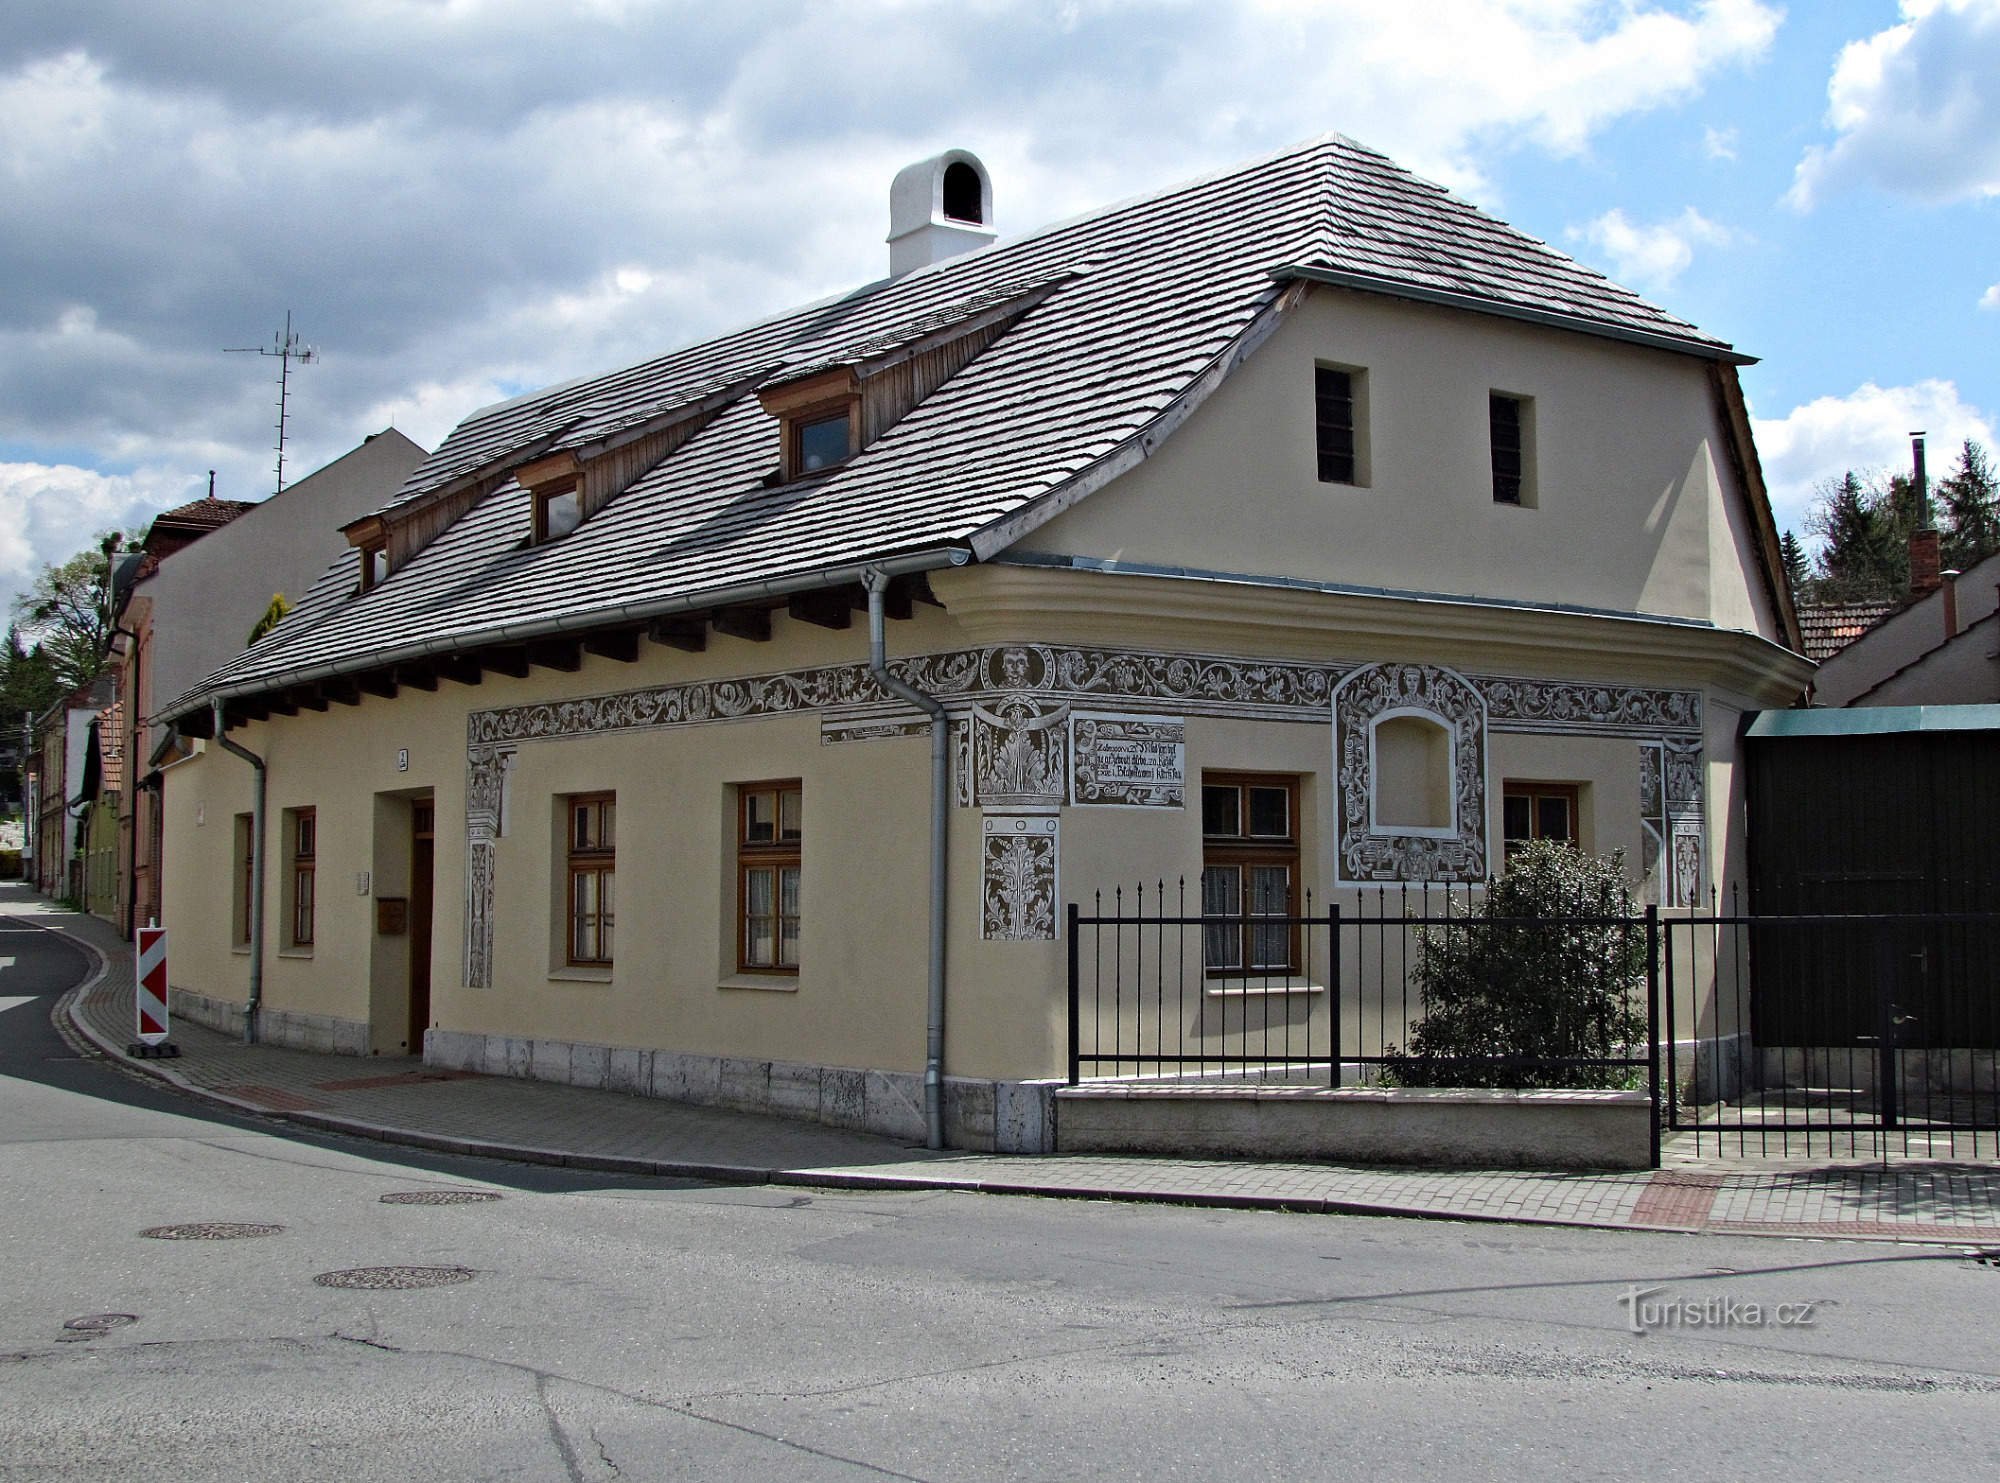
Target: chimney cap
column 938, row 208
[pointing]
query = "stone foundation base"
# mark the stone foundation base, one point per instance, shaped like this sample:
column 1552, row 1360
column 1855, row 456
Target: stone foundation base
column 324, row 1033
column 989, row 1116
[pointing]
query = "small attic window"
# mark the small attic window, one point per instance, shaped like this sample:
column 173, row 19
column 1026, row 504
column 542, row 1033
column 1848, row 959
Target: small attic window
column 558, row 511
column 824, row 442
column 374, row 563
column 962, row 195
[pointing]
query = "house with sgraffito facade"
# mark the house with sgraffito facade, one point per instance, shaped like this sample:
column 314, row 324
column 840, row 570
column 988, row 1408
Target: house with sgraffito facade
column 734, row 727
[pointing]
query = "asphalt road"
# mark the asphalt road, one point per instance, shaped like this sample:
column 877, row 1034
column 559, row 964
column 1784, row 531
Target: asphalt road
column 606, row 1329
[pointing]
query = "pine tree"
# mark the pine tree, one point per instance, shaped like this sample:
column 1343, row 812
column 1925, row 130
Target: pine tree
column 1865, row 538
column 1969, row 506
column 1798, row 573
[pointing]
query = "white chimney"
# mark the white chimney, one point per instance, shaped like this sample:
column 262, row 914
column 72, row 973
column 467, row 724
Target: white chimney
column 939, row 208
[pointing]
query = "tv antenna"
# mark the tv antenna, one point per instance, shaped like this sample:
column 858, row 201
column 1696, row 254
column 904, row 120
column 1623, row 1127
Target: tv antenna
column 285, row 348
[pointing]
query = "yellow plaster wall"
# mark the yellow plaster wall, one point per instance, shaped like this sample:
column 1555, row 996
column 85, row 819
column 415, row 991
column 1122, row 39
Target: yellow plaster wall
column 1629, row 511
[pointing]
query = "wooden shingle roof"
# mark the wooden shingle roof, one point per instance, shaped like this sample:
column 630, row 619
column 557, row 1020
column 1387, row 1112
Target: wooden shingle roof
column 1137, row 310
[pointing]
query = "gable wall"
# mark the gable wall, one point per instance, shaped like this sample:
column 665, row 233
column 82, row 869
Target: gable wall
column 1629, row 512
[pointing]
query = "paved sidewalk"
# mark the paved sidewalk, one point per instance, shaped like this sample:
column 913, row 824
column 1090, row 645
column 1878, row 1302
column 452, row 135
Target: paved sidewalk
column 405, row 1102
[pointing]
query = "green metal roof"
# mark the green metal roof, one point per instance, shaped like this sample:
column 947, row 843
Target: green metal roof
column 1874, row 720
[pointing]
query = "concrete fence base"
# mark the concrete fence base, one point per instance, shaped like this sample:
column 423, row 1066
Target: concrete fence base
column 1402, row 1125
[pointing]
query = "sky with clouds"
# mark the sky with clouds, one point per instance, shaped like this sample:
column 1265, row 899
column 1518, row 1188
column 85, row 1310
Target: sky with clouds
column 461, row 200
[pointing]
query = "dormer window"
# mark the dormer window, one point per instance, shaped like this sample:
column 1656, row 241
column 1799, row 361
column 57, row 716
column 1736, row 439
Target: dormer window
column 555, row 486
column 824, row 442
column 370, row 539
column 558, row 511
column 820, row 418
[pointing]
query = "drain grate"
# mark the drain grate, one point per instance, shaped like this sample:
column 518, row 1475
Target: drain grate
column 380, row 1279
column 210, row 1230
column 440, row 1197
column 92, row 1324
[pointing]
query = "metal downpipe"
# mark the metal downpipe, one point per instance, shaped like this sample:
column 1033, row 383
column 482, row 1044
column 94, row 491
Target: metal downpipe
column 876, row 581
column 256, row 1002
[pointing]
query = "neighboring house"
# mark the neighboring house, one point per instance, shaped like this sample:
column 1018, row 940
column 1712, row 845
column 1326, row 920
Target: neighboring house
column 95, row 807
column 61, row 749
column 1300, row 528
column 189, row 600
column 1942, row 648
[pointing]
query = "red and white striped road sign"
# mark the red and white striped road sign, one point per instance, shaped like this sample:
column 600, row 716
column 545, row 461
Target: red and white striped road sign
column 152, row 985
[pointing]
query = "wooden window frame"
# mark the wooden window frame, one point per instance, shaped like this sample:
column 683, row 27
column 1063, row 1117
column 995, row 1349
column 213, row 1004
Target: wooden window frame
column 796, row 423
column 373, row 554
column 304, row 864
column 777, row 856
column 1535, row 792
column 547, row 495
column 1240, row 852
column 596, row 861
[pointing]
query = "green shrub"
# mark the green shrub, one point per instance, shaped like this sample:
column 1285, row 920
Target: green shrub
column 1549, row 988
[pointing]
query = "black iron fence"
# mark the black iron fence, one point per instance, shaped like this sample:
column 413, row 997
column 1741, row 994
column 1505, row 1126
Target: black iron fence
column 1852, row 1035
column 1797, row 1035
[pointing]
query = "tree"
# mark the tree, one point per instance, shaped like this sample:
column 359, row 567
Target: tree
column 1535, row 974
column 1798, row 572
column 1968, row 501
column 69, row 608
column 28, row 680
column 1864, row 535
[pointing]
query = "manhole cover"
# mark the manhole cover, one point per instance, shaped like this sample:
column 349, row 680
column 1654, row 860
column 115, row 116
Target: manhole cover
column 440, row 1197
column 382, row 1278
column 92, row 1324
column 210, row 1230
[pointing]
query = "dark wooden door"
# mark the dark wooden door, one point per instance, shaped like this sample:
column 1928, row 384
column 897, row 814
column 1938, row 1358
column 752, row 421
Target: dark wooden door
column 421, row 845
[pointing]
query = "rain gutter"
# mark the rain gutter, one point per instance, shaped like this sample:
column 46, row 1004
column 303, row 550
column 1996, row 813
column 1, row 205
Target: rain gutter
column 876, row 580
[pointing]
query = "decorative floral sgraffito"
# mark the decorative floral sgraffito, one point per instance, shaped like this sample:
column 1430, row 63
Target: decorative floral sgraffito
column 1017, row 752
column 1670, row 819
column 1018, row 877
column 1133, row 761
column 1565, row 705
column 1011, row 740
column 1366, row 855
column 479, row 914
column 485, row 814
column 1686, row 878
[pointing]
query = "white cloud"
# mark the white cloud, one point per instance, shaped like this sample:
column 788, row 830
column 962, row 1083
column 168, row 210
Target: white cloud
column 1867, row 431
column 1991, row 298
column 50, row 512
column 452, row 219
column 1915, row 109
column 1719, row 144
column 1651, row 257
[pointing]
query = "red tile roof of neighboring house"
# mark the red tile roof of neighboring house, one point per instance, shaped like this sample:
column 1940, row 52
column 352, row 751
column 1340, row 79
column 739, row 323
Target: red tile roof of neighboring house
column 185, row 524
column 1829, row 627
